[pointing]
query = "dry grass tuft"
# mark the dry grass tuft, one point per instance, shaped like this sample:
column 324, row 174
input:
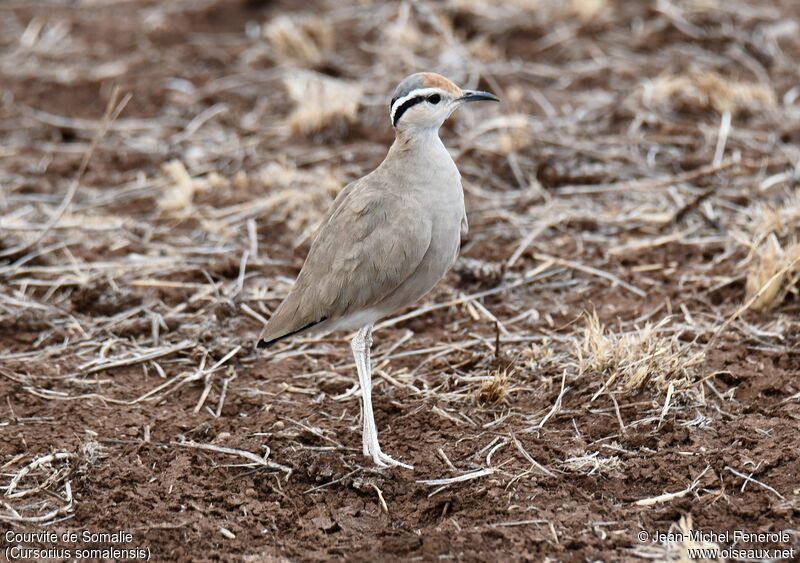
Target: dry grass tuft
column 587, row 10
column 781, row 220
column 494, row 391
column 517, row 137
column 771, row 231
column 538, row 353
column 321, row 101
column 546, row 12
column 93, row 451
column 591, row 463
column 703, row 91
column 773, row 274
column 297, row 197
column 635, row 359
column 304, row 41
column 181, row 187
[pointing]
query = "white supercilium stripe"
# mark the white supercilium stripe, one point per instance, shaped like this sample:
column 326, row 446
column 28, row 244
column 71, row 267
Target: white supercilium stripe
column 413, row 94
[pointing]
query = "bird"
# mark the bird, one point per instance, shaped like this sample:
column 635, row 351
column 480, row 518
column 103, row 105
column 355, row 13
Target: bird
column 387, row 239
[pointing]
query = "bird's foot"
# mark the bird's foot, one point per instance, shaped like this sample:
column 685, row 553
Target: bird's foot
column 383, row 460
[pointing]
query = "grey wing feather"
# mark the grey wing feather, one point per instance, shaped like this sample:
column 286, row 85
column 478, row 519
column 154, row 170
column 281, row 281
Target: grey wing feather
column 370, row 243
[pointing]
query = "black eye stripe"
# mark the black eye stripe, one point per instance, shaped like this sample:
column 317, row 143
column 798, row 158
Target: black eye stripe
column 405, row 106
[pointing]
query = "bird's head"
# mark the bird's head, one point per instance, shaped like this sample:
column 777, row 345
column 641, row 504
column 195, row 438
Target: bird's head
column 425, row 99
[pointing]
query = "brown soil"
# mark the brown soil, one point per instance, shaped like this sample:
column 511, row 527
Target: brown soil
column 132, row 464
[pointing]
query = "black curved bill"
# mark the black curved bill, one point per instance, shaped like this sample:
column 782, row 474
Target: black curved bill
column 477, row 96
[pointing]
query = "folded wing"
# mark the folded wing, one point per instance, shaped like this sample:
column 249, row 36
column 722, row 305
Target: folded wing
column 371, row 242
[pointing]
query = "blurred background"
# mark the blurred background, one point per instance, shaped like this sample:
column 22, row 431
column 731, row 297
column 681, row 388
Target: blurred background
column 163, row 166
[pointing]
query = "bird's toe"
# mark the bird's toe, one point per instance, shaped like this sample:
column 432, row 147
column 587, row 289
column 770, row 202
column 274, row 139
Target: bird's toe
column 390, row 461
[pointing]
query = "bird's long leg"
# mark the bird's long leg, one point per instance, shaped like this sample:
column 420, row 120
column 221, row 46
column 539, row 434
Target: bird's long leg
column 364, row 430
column 361, row 347
column 366, row 390
column 361, row 356
column 369, row 421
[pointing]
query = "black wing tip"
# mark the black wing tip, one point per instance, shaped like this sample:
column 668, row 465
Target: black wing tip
column 264, row 344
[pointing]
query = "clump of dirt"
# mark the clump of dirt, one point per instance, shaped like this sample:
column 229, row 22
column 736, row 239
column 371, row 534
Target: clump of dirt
column 98, row 300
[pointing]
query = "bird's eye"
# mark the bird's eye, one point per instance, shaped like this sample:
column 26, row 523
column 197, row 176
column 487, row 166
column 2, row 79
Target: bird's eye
column 434, row 99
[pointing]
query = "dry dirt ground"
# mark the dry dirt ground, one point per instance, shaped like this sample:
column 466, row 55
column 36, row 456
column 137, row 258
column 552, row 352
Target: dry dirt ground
column 615, row 353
